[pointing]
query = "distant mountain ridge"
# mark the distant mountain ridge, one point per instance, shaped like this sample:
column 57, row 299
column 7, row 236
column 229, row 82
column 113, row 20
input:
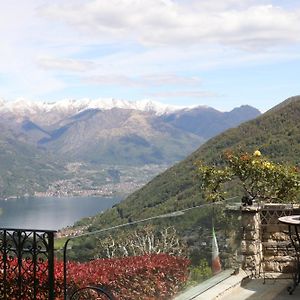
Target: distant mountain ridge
column 207, row 121
column 23, row 107
column 117, row 131
column 71, row 106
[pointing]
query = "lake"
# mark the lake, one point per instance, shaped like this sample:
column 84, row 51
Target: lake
column 51, row 212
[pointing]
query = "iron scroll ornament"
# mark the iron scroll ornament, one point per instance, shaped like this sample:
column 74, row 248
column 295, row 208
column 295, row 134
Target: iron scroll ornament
column 25, row 256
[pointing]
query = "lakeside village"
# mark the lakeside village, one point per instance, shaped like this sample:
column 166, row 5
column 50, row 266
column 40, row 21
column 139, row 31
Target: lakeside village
column 105, row 181
column 66, row 188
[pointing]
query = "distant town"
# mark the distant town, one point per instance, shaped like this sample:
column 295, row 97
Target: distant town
column 103, row 181
column 65, row 188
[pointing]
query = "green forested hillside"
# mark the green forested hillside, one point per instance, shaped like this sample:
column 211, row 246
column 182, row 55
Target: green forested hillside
column 24, row 169
column 276, row 134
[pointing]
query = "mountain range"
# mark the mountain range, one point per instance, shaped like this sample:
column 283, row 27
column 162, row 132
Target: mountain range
column 276, row 134
column 38, row 140
column 116, row 131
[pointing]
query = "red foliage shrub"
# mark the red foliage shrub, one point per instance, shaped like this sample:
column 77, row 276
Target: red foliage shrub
column 146, row 277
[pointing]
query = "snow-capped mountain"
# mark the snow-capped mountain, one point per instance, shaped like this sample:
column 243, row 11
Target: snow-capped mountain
column 112, row 130
column 23, row 106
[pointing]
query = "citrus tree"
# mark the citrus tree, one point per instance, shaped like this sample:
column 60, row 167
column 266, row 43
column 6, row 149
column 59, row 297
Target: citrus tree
column 260, row 178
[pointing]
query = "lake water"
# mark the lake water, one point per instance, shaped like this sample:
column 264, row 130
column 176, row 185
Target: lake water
column 50, row 212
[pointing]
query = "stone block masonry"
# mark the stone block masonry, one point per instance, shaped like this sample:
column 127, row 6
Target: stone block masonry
column 265, row 245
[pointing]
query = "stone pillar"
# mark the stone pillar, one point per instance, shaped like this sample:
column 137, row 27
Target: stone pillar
column 251, row 247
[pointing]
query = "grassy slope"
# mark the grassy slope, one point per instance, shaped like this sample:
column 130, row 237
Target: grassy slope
column 276, row 134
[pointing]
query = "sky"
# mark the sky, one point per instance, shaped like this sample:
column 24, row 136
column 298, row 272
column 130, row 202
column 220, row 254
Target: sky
column 221, row 53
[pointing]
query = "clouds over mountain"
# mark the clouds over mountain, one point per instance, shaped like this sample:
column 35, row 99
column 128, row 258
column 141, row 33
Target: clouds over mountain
column 137, row 49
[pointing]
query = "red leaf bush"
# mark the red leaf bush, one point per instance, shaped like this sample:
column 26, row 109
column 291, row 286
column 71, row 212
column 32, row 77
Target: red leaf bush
column 146, row 277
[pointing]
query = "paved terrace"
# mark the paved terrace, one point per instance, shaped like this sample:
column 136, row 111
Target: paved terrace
column 266, row 251
column 226, row 286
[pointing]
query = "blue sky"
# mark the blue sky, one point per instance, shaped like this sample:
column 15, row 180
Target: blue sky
column 222, row 53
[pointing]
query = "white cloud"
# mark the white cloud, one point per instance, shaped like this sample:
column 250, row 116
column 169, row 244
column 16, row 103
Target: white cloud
column 148, row 80
column 250, row 25
column 115, row 79
column 140, row 45
column 169, row 79
column 65, row 64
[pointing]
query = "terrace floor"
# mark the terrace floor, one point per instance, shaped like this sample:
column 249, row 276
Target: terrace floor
column 256, row 289
column 226, row 286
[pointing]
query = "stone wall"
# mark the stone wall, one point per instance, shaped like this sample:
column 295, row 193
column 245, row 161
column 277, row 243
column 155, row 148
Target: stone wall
column 265, row 245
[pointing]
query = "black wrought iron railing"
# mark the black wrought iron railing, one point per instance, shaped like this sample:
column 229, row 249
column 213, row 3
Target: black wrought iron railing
column 27, row 264
column 154, row 257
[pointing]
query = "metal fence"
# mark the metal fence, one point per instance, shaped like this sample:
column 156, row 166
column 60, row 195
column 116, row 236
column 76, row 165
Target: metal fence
column 27, row 264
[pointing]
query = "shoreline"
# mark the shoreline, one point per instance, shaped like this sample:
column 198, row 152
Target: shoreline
column 83, row 193
column 10, row 198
